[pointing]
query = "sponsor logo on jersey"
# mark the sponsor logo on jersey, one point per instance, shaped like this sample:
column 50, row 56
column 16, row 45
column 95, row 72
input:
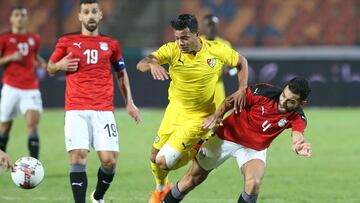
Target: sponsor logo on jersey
column 77, row 44
column 104, row 46
column 282, row 122
column 31, row 41
column 211, row 62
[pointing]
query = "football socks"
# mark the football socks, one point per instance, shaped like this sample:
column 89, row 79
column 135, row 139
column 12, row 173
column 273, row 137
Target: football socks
column 105, row 177
column 33, row 145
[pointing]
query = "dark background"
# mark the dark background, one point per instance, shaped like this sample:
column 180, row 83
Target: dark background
column 333, row 82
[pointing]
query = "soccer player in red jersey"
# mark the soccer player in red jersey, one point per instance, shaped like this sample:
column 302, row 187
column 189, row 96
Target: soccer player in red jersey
column 247, row 135
column 20, row 92
column 86, row 58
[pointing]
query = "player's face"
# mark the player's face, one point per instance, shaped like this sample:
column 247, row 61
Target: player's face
column 288, row 101
column 90, row 16
column 186, row 40
column 210, row 29
column 19, row 18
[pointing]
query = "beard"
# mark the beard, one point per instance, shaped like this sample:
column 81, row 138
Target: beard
column 91, row 26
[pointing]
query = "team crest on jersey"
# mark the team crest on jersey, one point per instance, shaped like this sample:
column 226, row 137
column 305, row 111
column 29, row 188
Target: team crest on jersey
column 211, row 62
column 104, row 46
column 31, row 41
column 282, row 122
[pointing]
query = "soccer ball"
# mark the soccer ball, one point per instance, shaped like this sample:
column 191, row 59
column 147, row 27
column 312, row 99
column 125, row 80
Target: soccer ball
column 27, row 172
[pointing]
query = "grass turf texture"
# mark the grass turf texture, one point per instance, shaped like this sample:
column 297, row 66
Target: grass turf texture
column 331, row 175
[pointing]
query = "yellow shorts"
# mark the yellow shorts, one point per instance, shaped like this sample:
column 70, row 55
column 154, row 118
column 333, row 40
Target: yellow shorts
column 180, row 130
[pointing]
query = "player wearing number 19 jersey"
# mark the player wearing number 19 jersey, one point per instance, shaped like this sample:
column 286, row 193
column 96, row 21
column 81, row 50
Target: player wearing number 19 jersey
column 20, row 91
column 87, row 58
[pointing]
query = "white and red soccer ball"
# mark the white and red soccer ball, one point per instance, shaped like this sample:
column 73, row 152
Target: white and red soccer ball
column 27, row 172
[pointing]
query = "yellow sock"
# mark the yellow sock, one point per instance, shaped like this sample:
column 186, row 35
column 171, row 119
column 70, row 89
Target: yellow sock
column 160, row 176
column 185, row 158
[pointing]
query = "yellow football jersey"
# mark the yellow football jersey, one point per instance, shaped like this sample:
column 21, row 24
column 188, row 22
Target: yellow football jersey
column 193, row 77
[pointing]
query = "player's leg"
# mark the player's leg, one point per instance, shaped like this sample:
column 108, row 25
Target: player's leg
column 4, row 134
column 32, row 118
column 166, row 130
column 77, row 144
column 8, row 108
column 252, row 163
column 31, row 107
column 106, row 142
column 193, row 177
column 212, row 154
column 78, row 176
column 106, row 173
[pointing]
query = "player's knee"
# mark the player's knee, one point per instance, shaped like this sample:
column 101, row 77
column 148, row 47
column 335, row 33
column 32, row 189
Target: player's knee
column 153, row 155
column 167, row 157
column 78, row 156
column 109, row 163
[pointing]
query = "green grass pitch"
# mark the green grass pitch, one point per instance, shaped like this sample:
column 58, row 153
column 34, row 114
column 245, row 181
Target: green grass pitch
column 331, row 175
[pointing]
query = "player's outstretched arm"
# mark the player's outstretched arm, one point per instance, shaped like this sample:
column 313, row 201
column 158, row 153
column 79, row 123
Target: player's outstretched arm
column 67, row 64
column 124, row 86
column 242, row 74
column 16, row 56
column 299, row 145
column 152, row 63
column 216, row 118
column 5, row 161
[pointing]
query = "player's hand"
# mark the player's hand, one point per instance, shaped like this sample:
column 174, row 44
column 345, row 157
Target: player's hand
column 212, row 121
column 68, row 63
column 239, row 100
column 5, row 161
column 302, row 148
column 134, row 112
column 158, row 72
column 16, row 56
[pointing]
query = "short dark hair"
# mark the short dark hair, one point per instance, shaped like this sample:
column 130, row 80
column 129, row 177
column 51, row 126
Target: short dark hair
column 184, row 21
column 299, row 86
column 210, row 18
column 88, row 2
column 18, row 7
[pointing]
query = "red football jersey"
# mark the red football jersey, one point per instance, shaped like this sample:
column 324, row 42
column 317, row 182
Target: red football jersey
column 20, row 74
column 259, row 122
column 91, row 87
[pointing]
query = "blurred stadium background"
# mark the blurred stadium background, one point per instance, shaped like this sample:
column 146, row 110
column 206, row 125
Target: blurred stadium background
column 316, row 39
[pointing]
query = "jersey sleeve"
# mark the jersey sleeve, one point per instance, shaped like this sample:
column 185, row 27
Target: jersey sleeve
column 228, row 55
column 298, row 123
column 117, row 59
column 164, row 53
column 60, row 51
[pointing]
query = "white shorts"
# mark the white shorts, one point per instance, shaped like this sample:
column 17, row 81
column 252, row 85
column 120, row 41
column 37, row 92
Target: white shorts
column 15, row 101
column 85, row 128
column 215, row 151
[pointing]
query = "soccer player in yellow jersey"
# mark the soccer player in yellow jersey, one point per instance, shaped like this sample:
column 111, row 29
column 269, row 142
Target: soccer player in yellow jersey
column 194, row 64
column 210, row 23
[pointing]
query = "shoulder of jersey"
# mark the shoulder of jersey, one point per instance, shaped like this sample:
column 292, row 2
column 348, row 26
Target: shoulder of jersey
column 70, row 35
column 266, row 90
column 5, row 33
